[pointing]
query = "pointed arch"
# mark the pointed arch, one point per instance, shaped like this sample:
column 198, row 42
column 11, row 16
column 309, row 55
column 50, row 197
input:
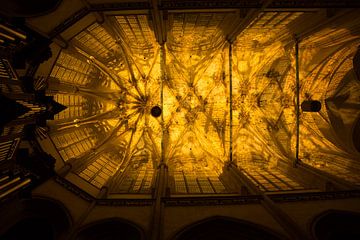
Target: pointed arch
column 221, row 227
column 336, row 224
column 109, row 229
column 36, row 218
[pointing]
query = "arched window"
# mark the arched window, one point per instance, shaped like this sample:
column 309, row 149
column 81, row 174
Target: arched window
column 43, row 219
column 335, row 224
column 72, row 70
column 31, row 228
column 100, row 170
column 76, row 106
column 216, row 228
column 72, row 144
column 110, row 229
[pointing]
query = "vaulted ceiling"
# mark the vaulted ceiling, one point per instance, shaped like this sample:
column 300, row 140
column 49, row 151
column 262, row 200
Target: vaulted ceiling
column 223, row 98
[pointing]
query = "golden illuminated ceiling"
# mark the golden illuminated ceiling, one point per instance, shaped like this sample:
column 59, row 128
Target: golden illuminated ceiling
column 117, row 72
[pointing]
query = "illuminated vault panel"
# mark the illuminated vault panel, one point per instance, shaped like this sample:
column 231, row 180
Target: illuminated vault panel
column 75, row 106
column 95, row 40
column 271, row 180
column 200, row 31
column 196, row 102
column 268, row 27
column 72, row 70
column 135, row 178
column 327, row 75
column 191, row 74
column 75, row 143
column 189, row 78
column 263, row 107
column 101, row 169
column 138, row 31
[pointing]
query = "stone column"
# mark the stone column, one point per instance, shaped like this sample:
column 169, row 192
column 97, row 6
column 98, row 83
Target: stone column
column 158, row 208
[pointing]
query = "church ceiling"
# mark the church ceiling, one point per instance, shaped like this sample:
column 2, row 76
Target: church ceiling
column 113, row 74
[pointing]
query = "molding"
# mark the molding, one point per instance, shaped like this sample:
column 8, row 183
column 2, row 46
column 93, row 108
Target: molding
column 314, row 196
column 101, row 202
column 198, row 5
column 233, row 4
column 209, row 201
column 68, row 22
column 120, row 6
column 213, row 4
column 74, row 189
column 314, row 4
column 125, row 202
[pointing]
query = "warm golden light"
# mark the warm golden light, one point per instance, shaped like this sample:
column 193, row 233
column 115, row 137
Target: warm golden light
column 189, row 79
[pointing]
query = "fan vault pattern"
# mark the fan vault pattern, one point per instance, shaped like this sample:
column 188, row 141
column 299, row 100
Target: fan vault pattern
column 113, row 74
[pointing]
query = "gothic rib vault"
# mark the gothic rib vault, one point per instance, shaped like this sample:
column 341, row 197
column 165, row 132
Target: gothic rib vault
column 219, row 101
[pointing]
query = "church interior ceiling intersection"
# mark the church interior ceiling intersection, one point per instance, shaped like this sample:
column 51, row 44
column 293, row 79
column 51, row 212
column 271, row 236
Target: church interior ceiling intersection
column 198, row 101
